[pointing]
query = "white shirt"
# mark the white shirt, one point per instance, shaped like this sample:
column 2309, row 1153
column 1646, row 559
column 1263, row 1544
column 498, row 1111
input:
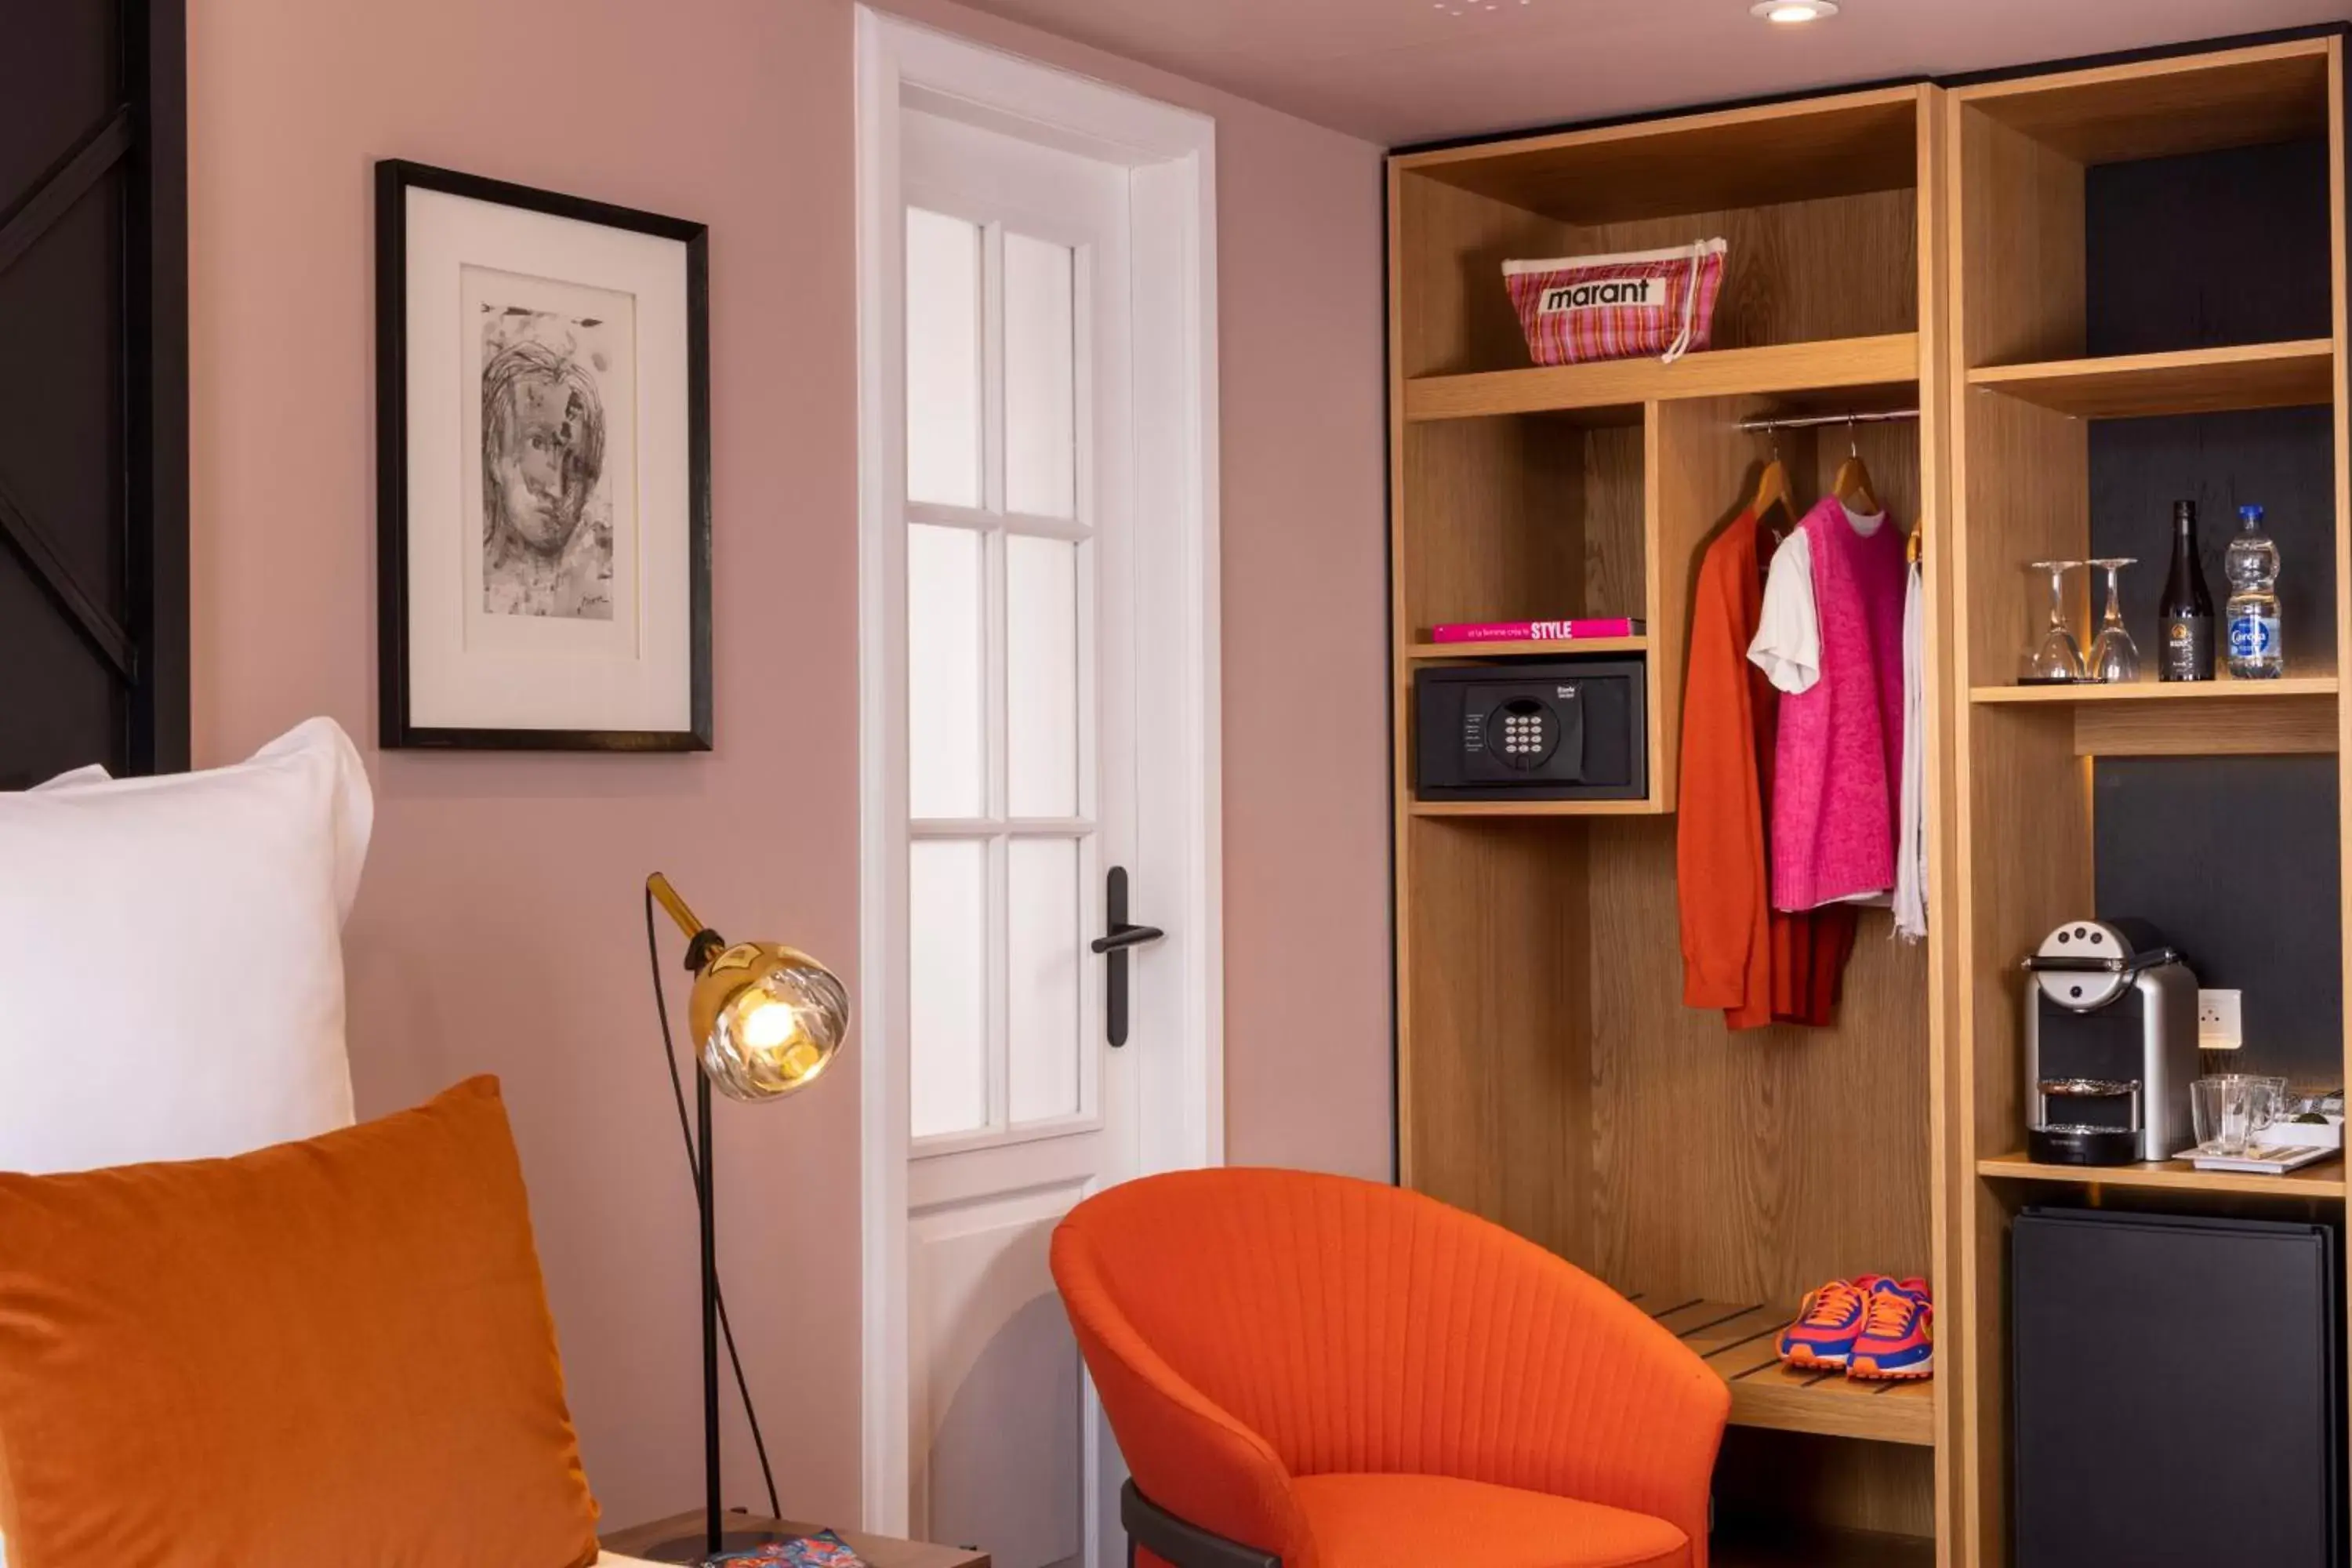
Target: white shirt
column 1911, row 836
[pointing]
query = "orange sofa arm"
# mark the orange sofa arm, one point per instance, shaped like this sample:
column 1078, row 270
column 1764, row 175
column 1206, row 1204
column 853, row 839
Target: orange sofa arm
column 1187, row 1455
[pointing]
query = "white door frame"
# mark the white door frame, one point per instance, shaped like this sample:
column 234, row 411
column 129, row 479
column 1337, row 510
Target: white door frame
column 1172, row 156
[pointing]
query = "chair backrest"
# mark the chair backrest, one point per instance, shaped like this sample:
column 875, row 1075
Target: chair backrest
column 1358, row 1327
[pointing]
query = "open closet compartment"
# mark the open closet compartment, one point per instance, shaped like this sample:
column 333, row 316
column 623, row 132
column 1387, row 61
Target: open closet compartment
column 1550, row 1076
column 2148, row 305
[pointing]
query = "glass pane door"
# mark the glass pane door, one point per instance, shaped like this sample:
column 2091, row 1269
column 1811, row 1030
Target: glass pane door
column 1000, row 620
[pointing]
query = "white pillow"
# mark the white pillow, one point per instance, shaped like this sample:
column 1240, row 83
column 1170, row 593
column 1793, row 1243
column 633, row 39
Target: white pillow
column 170, row 957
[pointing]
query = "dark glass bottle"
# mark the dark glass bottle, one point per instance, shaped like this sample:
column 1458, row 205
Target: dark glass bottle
column 2185, row 618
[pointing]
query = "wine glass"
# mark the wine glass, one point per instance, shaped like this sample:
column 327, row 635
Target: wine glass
column 2113, row 656
column 2058, row 656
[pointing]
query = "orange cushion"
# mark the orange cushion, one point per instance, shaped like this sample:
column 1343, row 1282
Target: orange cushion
column 1378, row 1521
column 330, row 1351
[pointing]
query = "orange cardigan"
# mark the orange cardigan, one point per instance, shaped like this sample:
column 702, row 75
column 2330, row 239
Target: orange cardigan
column 1720, row 867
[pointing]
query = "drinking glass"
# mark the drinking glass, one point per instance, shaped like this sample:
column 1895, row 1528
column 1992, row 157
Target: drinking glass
column 2273, row 1105
column 2231, row 1111
column 2113, row 656
column 2057, row 657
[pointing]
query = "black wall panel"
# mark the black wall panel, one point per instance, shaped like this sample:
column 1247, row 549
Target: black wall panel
column 2198, row 252
column 2282, row 458
column 2207, row 250
column 2234, row 857
column 93, row 387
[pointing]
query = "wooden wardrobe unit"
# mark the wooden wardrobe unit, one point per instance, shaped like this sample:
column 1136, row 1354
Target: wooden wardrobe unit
column 1963, row 250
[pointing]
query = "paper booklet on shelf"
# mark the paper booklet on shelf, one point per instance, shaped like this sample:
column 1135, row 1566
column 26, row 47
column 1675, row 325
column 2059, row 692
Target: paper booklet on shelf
column 2261, row 1159
column 1537, row 631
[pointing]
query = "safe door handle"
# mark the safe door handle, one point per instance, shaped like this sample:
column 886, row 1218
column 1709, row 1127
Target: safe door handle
column 1113, row 945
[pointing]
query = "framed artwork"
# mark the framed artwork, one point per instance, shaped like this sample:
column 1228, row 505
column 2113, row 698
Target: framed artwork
column 543, row 470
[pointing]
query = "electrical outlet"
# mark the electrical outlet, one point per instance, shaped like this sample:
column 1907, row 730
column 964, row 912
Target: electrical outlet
column 2219, row 1026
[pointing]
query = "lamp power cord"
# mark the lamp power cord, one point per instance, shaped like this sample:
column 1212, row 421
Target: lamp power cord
column 694, row 1167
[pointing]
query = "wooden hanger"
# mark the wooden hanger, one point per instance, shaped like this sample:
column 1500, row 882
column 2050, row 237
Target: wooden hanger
column 1852, row 487
column 1774, row 510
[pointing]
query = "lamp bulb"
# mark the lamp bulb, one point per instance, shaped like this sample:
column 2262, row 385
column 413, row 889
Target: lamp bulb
column 770, row 1025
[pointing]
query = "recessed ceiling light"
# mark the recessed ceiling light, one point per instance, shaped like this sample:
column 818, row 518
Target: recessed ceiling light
column 1790, row 13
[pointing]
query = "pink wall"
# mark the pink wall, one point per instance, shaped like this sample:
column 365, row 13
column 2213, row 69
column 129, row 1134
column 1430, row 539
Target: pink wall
column 499, row 929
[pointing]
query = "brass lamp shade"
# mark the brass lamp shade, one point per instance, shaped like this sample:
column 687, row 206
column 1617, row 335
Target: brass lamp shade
column 768, row 1019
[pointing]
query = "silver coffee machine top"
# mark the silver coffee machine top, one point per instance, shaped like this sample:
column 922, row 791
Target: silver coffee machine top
column 2110, row 1045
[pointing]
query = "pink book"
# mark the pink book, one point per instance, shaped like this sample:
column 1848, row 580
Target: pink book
column 1537, row 631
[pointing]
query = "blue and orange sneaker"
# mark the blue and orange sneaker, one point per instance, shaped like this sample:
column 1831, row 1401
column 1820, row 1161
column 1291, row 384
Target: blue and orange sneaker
column 1830, row 1321
column 1898, row 1334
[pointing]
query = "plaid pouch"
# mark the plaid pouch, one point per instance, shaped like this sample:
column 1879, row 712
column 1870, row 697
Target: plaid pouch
column 1583, row 307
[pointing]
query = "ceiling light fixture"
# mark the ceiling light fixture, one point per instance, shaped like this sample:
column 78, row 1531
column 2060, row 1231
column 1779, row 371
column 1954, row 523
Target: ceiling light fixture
column 1792, row 13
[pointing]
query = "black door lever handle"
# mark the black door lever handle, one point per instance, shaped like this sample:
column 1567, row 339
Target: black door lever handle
column 1126, row 936
column 1113, row 945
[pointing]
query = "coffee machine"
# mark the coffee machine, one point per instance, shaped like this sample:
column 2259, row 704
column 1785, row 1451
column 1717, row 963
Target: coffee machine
column 2110, row 1045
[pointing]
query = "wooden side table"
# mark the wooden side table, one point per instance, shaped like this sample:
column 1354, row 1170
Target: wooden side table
column 879, row 1551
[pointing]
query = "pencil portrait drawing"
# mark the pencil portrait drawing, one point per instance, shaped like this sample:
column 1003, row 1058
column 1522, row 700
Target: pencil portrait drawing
column 548, row 522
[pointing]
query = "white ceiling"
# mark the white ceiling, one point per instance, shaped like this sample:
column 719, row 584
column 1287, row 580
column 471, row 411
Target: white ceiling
column 1398, row 71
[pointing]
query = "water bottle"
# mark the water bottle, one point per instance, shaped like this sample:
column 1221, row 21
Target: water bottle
column 2253, row 613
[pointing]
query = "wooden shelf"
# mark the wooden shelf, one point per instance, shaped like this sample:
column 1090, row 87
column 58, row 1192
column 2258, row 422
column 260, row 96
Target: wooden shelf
column 2223, row 690
column 1837, row 144
column 1889, row 361
column 1537, row 808
column 2325, row 1180
column 1739, row 1343
column 2289, row 717
column 1438, row 651
column 2048, row 223
column 2195, row 380
column 2162, row 108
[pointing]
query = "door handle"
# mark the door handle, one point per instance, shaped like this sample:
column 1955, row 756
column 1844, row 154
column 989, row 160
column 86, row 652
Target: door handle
column 1113, row 945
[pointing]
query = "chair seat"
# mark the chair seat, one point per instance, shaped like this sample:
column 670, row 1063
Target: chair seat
column 1383, row 1522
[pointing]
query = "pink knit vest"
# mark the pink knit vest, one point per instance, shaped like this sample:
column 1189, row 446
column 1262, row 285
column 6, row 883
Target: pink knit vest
column 1840, row 753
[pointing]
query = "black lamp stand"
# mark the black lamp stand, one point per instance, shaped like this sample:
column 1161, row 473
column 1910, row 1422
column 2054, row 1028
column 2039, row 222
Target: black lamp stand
column 715, row 1541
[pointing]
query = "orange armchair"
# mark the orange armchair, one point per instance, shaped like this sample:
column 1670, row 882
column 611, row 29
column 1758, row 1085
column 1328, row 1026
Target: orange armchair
column 1330, row 1374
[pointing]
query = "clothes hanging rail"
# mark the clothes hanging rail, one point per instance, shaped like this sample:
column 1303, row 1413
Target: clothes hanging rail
column 1912, row 547
column 1821, row 421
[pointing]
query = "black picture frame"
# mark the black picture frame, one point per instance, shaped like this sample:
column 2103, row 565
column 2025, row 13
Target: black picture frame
column 395, row 178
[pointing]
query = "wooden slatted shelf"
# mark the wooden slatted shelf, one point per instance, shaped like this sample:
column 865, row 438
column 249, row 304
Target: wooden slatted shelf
column 1738, row 1342
column 1888, row 361
column 1435, row 651
column 2195, row 380
column 2325, row 1180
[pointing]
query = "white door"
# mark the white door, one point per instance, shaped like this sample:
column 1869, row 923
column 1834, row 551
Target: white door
column 1021, row 800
